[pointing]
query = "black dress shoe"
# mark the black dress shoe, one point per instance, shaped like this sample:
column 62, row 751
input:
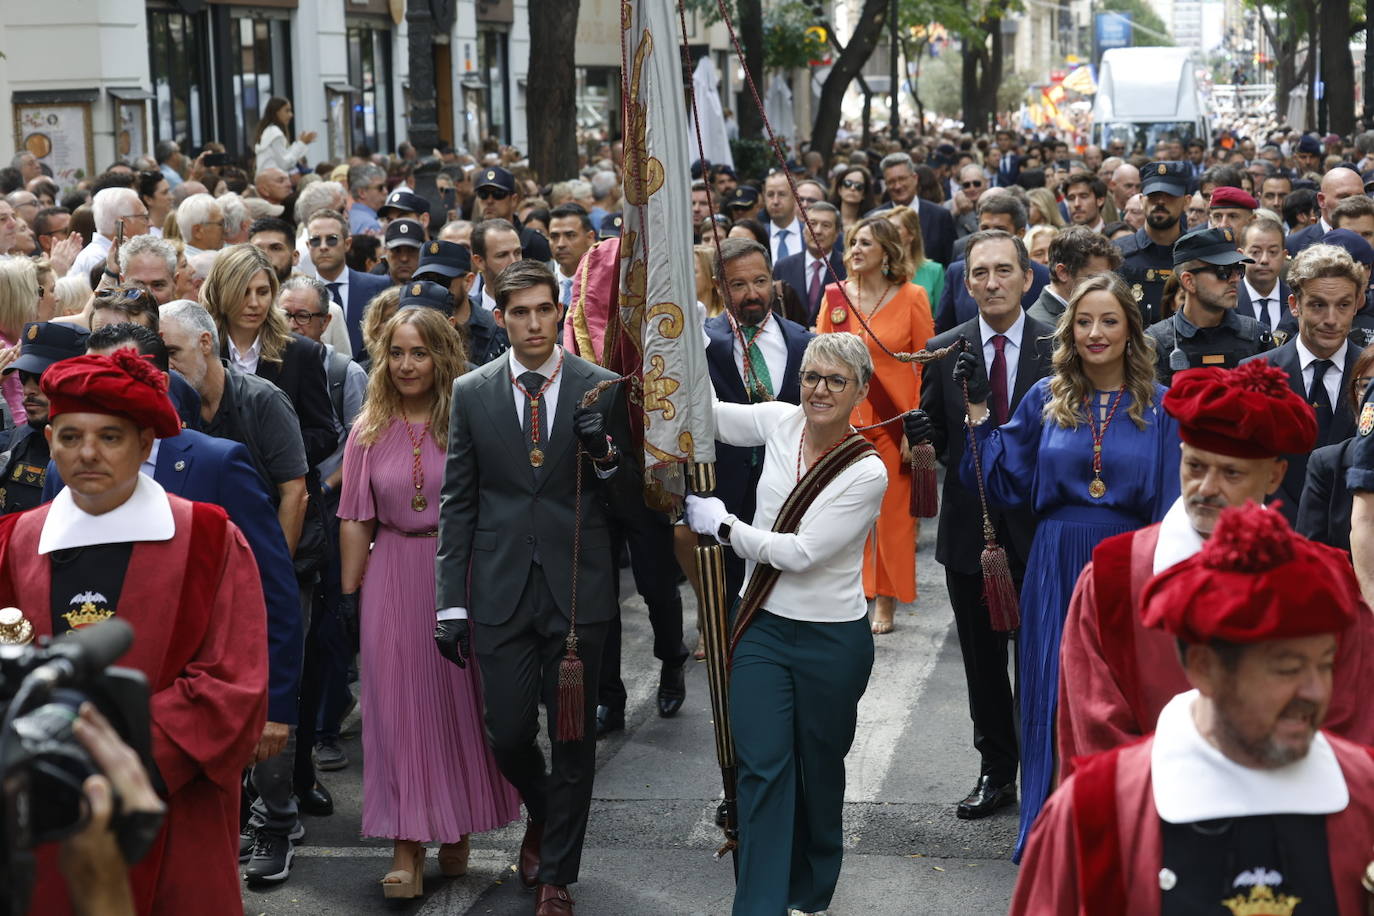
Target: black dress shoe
column 316, row 800
column 608, row 720
column 672, row 689
column 985, row 799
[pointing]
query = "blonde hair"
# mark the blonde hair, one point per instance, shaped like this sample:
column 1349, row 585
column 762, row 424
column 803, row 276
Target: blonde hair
column 382, row 404
column 1070, row 388
column 1043, row 200
column 885, row 236
column 72, row 295
column 910, row 220
column 223, row 291
column 1320, row 261
column 1041, row 229
column 18, row 295
column 378, row 312
column 706, row 261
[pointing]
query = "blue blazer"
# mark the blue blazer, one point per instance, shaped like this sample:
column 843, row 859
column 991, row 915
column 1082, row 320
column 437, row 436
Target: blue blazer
column 957, row 305
column 1308, row 235
column 737, row 474
column 361, row 288
column 207, row 469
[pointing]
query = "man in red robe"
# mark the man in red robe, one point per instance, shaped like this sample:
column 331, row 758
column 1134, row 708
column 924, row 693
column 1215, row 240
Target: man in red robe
column 114, row 543
column 1115, row 674
column 1239, row 801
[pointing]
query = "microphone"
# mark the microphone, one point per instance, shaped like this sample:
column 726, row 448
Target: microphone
column 84, row 653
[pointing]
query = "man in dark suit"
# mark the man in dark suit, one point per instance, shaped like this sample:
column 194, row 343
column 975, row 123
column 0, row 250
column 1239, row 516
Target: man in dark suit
column 1319, row 360
column 937, row 223
column 996, row 210
column 1009, row 353
column 759, row 362
column 1008, row 161
column 1262, row 294
column 1337, row 184
column 351, row 290
column 809, row 271
column 509, row 511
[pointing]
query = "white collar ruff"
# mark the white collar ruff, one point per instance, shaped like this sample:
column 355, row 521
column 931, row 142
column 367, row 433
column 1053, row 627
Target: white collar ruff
column 145, row 516
column 1178, row 540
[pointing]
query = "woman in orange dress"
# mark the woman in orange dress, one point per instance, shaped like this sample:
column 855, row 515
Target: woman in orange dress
column 898, row 312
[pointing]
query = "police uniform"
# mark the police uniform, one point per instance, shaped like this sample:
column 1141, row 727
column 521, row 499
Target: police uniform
column 25, row 472
column 533, row 245
column 1180, row 344
column 1145, row 265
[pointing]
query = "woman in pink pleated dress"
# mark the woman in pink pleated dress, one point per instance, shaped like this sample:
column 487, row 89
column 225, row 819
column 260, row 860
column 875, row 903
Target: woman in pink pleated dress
column 427, row 774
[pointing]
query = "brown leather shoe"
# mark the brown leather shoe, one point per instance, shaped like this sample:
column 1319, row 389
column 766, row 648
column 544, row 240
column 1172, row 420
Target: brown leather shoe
column 529, row 854
column 553, row 900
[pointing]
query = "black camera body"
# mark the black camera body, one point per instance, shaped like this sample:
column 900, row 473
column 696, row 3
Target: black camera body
column 43, row 766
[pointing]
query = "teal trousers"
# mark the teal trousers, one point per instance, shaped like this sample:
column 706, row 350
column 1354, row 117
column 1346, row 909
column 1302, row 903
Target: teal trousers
column 794, row 698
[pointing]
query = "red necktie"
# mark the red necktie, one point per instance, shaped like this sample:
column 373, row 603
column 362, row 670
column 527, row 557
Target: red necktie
column 998, row 379
column 813, row 291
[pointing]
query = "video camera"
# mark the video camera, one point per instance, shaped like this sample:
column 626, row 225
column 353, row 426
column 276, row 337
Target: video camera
column 43, row 766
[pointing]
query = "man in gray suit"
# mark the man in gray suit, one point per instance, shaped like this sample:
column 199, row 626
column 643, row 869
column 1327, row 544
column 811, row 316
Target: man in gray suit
column 505, row 566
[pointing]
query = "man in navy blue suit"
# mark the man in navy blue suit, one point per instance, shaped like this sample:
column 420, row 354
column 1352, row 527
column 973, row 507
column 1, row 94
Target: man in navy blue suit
column 1008, row 161
column 996, row 210
column 351, row 290
column 1262, row 294
column 937, row 224
column 807, row 271
column 773, row 347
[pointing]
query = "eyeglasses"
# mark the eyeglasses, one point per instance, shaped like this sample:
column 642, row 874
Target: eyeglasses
column 302, row 316
column 1223, row 272
column 492, row 194
column 971, row 184
column 327, row 241
column 834, row 383
column 854, row 185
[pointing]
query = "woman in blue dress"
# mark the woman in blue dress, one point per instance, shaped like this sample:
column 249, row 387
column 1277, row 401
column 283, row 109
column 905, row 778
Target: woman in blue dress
column 1093, row 452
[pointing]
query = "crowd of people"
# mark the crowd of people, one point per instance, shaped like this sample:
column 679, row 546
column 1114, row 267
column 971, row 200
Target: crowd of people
column 350, row 397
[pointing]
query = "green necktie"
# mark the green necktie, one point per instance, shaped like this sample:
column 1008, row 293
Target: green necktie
column 757, row 380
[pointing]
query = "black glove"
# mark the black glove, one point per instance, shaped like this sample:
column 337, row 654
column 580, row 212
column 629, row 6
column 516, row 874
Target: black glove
column 968, row 369
column 348, row 616
column 590, row 427
column 451, row 636
column 917, row 426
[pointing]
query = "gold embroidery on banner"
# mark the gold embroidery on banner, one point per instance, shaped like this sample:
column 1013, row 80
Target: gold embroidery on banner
column 658, row 389
column 643, row 173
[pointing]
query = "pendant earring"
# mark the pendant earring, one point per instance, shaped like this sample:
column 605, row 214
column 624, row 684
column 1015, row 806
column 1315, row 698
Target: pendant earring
column 887, row 270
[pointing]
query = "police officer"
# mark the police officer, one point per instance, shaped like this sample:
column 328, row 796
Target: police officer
column 1148, row 255
column 742, row 203
column 1206, row 330
column 44, row 343
column 449, row 265
column 404, row 239
column 402, row 203
column 495, row 188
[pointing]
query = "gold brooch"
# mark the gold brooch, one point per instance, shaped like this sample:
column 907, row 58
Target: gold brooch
column 838, row 315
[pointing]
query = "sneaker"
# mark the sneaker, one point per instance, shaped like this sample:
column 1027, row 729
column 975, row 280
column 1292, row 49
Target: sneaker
column 271, row 859
column 329, row 756
column 248, row 837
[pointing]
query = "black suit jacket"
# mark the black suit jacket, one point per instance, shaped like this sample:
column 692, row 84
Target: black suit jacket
column 496, row 512
column 301, row 375
column 792, row 271
column 1342, row 419
column 737, row 474
column 959, row 542
column 957, row 305
column 1324, row 509
column 937, row 228
column 1287, row 324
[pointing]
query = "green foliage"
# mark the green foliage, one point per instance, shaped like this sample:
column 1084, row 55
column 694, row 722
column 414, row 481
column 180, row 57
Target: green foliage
column 1153, row 34
column 786, row 42
column 941, row 85
column 965, row 18
column 752, row 157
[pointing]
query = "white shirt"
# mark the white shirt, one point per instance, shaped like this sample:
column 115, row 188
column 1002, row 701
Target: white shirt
column 1272, row 307
column 1011, row 350
column 247, row 360
column 1178, row 539
column 808, row 273
column 774, row 348
column 336, row 335
column 342, row 280
column 145, row 516
column 565, row 284
column 94, row 253
column 1194, row 781
column 272, row 151
column 822, row 564
column 1332, row 378
column 551, row 365
column 793, row 234
column 149, row 467
column 488, row 301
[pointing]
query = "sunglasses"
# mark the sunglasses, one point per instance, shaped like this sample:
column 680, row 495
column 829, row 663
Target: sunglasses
column 971, row 184
column 492, row 194
column 854, row 185
column 1223, row 272
column 327, row 241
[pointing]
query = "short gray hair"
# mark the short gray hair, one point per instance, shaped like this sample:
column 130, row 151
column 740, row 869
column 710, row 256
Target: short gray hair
column 320, row 195
column 192, row 316
column 300, row 281
column 841, row 347
column 235, row 213
column 360, row 176
column 577, row 188
column 825, row 206
column 109, row 206
column 603, row 182
column 891, row 160
column 195, row 210
column 151, row 245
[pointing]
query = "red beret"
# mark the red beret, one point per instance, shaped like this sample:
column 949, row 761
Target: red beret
column 1254, row 580
column 1245, row 412
column 122, row 384
column 1227, row 196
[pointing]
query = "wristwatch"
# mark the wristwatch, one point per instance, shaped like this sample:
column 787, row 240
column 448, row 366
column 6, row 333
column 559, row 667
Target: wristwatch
column 723, row 533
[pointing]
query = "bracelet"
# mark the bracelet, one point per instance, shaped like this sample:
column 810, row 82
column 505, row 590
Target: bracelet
column 974, row 424
column 612, row 455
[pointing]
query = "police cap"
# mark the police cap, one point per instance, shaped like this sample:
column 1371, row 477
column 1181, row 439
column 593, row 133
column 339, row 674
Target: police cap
column 493, row 176
column 742, row 198
column 425, row 294
column 611, row 226
column 1168, row 177
column 1215, row 246
column 48, row 342
column 404, row 202
column 405, row 231
column 444, row 259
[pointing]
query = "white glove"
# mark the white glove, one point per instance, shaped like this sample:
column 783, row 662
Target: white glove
column 704, row 515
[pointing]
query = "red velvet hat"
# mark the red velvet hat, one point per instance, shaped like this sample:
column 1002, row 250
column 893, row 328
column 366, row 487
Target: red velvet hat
column 122, row 384
column 1245, row 412
column 1227, row 196
column 1254, row 580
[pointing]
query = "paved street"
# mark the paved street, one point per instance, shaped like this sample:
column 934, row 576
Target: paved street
column 651, row 835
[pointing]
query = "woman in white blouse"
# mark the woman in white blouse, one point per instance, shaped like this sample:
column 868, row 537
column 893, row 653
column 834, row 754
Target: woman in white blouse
column 800, row 667
column 273, row 147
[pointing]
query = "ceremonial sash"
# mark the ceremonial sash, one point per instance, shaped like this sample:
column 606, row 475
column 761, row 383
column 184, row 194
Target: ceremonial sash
column 884, row 406
column 853, row 448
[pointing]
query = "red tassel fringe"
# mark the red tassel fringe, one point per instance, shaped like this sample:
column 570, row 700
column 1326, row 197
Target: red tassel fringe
column 925, row 498
column 999, row 591
column 572, row 709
